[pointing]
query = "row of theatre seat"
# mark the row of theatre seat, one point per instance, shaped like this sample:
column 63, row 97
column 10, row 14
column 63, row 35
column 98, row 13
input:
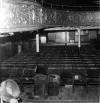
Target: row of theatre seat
column 66, row 61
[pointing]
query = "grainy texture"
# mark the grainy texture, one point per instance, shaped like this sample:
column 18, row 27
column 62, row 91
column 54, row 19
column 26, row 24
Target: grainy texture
column 25, row 16
column 65, row 94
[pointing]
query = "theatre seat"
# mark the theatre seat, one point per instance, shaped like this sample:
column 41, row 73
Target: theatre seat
column 80, row 80
column 40, row 85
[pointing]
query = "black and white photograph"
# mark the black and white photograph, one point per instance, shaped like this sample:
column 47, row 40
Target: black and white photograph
column 49, row 51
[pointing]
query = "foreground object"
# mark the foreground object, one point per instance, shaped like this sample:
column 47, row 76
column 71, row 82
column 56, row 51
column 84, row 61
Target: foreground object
column 9, row 91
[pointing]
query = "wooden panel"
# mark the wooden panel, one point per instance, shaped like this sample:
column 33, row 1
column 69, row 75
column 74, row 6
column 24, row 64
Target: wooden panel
column 51, row 37
column 60, row 37
column 92, row 34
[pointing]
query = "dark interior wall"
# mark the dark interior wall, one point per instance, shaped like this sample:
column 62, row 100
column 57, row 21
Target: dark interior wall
column 28, row 45
column 9, row 45
column 6, row 50
column 96, row 42
column 92, row 34
column 98, row 32
column 72, row 36
column 9, row 48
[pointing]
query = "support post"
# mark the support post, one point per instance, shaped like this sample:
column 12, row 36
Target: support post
column 1, row 99
column 79, row 37
column 19, row 48
column 42, row 2
column 37, row 43
column 66, row 37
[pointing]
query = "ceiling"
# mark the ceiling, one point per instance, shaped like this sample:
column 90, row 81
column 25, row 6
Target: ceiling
column 88, row 5
column 71, row 4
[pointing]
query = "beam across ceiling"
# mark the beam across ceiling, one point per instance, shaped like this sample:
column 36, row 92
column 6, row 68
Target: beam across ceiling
column 71, row 28
column 27, row 16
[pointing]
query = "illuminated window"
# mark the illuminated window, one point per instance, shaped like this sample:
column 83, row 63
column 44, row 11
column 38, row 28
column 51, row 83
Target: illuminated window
column 43, row 39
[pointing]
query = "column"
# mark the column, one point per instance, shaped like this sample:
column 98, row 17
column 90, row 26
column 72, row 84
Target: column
column 66, row 37
column 37, row 43
column 19, row 48
column 79, row 37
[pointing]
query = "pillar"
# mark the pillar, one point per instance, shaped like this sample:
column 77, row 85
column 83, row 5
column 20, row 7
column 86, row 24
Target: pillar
column 37, row 43
column 79, row 37
column 19, row 48
column 66, row 37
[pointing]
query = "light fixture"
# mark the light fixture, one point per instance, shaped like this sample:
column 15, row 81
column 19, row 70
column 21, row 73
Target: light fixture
column 11, row 34
column 3, row 35
column 43, row 39
column 76, row 77
column 6, row 34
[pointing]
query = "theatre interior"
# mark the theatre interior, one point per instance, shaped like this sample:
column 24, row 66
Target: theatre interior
column 49, row 51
